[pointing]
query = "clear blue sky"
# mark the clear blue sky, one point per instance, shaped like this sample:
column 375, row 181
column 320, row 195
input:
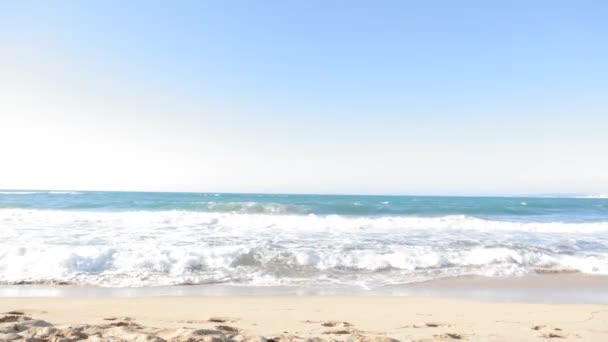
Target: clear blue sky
column 467, row 97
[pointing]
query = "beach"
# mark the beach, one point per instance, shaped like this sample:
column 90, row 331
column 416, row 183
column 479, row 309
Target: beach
column 329, row 318
column 560, row 306
column 113, row 266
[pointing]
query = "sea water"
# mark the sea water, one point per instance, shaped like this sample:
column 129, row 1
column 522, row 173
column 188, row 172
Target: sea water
column 143, row 239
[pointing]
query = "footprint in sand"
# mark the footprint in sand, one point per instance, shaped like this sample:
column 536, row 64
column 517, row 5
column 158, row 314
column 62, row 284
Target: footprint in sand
column 193, row 321
column 556, row 333
column 227, row 328
column 123, row 324
column 120, row 321
column 14, row 318
column 336, row 324
column 553, row 335
column 341, row 331
column 16, row 313
column 222, row 319
column 210, row 320
column 450, row 336
column 126, row 319
column 339, row 328
column 427, row 325
column 435, row 325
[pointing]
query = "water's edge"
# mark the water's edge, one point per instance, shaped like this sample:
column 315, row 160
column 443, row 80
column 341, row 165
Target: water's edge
column 549, row 288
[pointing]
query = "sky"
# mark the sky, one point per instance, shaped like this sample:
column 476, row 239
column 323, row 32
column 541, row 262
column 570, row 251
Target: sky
column 379, row 97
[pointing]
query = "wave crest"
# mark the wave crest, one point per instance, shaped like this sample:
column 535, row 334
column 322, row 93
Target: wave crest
column 253, row 207
column 150, row 248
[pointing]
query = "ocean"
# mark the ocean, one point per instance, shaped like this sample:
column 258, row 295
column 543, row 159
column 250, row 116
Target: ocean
column 145, row 239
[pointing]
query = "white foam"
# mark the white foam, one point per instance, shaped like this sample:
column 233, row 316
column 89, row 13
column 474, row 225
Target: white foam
column 249, row 207
column 172, row 247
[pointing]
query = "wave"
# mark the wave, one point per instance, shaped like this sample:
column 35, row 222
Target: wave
column 260, row 220
column 540, row 209
column 157, row 265
column 151, row 248
column 253, row 207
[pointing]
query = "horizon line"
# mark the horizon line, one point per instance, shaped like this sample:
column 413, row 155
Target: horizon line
column 537, row 195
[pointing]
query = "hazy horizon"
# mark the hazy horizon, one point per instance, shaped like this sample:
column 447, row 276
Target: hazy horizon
column 371, row 194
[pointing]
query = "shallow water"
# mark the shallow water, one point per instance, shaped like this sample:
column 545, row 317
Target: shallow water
column 128, row 239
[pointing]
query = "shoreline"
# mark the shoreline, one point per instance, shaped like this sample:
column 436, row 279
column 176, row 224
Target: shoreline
column 537, row 288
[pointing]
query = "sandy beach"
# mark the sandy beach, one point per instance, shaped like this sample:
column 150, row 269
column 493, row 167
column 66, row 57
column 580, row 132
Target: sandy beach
column 294, row 318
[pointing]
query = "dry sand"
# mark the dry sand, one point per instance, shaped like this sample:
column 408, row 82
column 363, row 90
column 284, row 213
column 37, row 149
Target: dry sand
column 249, row 318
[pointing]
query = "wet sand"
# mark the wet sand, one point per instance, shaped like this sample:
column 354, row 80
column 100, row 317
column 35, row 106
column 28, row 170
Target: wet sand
column 562, row 288
column 554, row 307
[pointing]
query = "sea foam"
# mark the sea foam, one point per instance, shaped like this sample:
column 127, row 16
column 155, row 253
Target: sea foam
column 151, row 248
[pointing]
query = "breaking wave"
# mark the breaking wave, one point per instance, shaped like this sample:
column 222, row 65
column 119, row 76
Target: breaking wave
column 253, row 247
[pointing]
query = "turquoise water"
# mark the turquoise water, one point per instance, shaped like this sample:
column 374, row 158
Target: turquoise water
column 364, row 242
column 507, row 208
